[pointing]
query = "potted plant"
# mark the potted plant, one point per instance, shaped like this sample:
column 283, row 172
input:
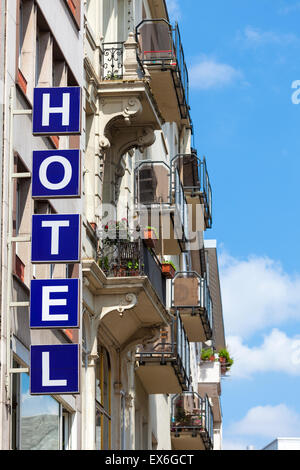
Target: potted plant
column 168, row 269
column 197, row 421
column 120, row 271
column 134, row 268
column 150, row 237
column 208, row 355
column 225, row 360
column 104, row 264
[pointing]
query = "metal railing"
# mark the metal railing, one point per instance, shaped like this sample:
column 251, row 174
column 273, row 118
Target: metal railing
column 112, row 61
column 154, row 189
column 172, row 347
column 120, row 255
column 160, row 45
column 195, row 179
column 192, row 293
column 192, row 413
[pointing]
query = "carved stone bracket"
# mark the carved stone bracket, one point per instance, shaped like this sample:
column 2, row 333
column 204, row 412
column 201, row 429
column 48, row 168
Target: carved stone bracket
column 114, row 109
column 118, row 303
column 128, row 303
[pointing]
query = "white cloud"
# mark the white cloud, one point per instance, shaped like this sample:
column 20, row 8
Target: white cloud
column 256, row 37
column 268, row 422
column 256, row 294
column 277, row 353
column 211, row 74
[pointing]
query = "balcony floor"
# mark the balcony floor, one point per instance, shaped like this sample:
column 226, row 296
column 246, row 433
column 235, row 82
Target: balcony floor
column 104, row 294
column 159, row 379
column 187, row 441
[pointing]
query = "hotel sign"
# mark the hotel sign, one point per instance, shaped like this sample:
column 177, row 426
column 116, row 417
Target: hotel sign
column 57, row 111
column 56, row 238
column 56, row 173
column 54, row 303
column 54, row 369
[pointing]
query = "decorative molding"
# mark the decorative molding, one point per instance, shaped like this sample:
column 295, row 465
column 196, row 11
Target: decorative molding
column 92, row 359
column 129, row 401
column 117, row 302
column 130, row 63
column 127, row 303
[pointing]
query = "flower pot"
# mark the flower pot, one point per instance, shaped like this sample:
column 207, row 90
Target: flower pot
column 120, row 271
column 134, row 272
column 212, row 358
column 167, row 270
column 150, row 239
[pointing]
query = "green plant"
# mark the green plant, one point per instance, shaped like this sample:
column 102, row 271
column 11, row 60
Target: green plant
column 132, row 265
column 207, row 354
column 223, row 353
column 104, row 263
column 169, row 262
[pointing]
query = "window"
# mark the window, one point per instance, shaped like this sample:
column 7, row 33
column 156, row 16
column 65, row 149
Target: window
column 39, row 422
column 103, row 401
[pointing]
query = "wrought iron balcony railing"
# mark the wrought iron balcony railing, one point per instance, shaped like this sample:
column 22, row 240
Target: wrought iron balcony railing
column 195, row 180
column 192, row 414
column 112, row 61
column 173, row 348
column 122, row 256
column 160, row 45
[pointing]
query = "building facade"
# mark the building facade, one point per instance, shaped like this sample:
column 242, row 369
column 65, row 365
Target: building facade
column 284, row 443
column 151, row 322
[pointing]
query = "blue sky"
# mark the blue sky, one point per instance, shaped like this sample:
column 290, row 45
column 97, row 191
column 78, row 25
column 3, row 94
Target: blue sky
column 243, row 58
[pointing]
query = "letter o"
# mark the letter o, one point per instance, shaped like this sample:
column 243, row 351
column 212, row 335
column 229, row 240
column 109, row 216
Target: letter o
column 43, row 172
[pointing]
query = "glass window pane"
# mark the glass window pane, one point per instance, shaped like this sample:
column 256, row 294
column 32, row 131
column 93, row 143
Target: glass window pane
column 98, row 430
column 39, row 420
column 106, row 429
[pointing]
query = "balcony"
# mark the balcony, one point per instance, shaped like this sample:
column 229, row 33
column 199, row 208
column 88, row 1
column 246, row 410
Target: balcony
column 112, row 63
column 161, row 53
column 162, row 205
column 191, row 298
column 125, row 290
column 164, row 366
column 196, row 185
column 192, row 422
column 210, row 385
column 123, row 256
column 128, row 112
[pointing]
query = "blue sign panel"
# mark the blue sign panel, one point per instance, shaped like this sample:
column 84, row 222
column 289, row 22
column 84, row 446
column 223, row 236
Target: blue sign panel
column 56, row 173
column 55, row 238
column 57, row 111
column 54, row 303
column 54, row 370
